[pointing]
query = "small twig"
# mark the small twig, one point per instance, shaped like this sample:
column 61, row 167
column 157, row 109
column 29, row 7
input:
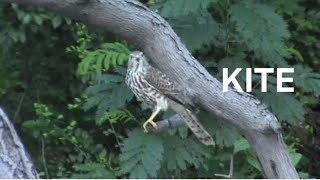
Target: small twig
column 227, row 30
column 230, row 169
column 114, row 132
column 44, row 162
column 19, row 107
column 256, row 85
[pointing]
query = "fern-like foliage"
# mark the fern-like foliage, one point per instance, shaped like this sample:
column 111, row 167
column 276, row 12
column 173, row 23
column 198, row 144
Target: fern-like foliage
column 306, row 79
column 261, row 30
column 284, row 105
column 102, row 59
column 177, row 8
column 108, row 93
column 141, row 155
column 183, row 153
column 224, row 134
column 120, row 115
column 189, row 18
column 200, row 23
column 91, row 171
column 233, row 62
column 144, row 155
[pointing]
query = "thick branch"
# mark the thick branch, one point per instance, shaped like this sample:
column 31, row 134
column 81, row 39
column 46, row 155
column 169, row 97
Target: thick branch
column 14, row 159
column 166, row 124
column 154, row 36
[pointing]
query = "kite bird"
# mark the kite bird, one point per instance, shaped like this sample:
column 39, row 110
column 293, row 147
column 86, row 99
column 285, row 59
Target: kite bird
column 159, row 92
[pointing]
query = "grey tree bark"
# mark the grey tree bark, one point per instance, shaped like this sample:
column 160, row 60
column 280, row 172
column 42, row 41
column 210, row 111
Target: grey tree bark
column 15, row 163
column 144, row 28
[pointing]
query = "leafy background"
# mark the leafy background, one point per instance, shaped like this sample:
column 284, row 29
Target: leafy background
column 62, row 84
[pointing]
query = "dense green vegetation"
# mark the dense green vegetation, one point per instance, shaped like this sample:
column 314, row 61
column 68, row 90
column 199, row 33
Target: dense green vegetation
column 62, row 83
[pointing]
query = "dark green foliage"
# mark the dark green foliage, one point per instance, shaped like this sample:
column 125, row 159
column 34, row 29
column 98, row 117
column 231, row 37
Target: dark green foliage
column 180, row 154
column 108, row 94
column 91, row 171
column 178, row 8
column 261, row 30
column 63, row 85
column 306, row 80
column 197, row 23
column 284, row 105
column 111, row 54
column 141, row 155
column 224, row 134
column 55, row 132
column 191, row 20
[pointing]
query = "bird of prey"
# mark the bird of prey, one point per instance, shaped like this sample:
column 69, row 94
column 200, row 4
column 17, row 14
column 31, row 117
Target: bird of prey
column 159, row 92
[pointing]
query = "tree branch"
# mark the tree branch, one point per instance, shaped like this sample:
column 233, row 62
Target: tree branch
column 15, row 162
column 172, row 122
column 137, row 24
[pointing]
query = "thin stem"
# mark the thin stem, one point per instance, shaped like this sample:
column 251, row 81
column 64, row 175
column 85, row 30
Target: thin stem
column 227, row 30
column 115, row 134
column 19, row 107
column 44, row 162
column 256, row 85
column 230, row 169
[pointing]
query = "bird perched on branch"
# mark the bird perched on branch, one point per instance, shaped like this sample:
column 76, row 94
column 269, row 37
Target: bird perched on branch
column 155, row 89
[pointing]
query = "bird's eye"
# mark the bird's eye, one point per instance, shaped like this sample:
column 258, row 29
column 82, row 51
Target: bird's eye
column 138, row 59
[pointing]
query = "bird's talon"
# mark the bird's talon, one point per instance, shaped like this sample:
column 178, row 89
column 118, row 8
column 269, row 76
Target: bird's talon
column 153, row 124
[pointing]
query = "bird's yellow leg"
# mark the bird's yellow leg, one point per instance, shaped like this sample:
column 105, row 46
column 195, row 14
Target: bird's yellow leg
column 150, row 120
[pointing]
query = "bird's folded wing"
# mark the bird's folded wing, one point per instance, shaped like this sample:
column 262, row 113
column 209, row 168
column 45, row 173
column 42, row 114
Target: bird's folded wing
column 164, row 85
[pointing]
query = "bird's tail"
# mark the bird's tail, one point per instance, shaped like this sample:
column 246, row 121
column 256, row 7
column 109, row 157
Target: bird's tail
column 193, row 123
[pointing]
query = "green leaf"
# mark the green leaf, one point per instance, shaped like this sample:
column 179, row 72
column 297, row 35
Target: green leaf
column 307, row 80
column 253, row 162
column 232, row 63
column 107, row 94
column 116, row 116
column 109, row 55
column 26, row 19
column 182, row 153
column 261, row 30
column 224, row 134
column 174, row 8
column 91, row 171
column 296, row 158
column 14, row 34
column 286, row 7
column 200, row 24
column 141, row 155
column 106, row 61
column 99, row 64
column 296, row 53
column 56, row 21
column 284, row 105
column 183, row 132
column 85, row 64
column 114, row 58
column 240, row 145
column 38, row 19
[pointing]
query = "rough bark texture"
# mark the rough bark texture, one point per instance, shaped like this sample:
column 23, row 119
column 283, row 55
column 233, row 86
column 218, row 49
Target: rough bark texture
column 137, row 24
column 15, row 162
column 172, row 122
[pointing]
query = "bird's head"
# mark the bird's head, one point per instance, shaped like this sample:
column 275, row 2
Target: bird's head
column 137, row 61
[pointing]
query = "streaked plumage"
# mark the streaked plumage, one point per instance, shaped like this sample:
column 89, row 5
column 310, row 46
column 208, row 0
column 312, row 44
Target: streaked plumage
column 159, row 92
